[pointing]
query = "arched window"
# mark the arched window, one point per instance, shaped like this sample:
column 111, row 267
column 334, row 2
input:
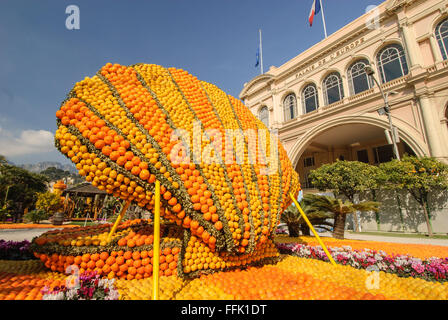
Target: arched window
column 290, row 106
column 392, row 63
column 333, row 90
column 358, row 79
column 442, row 37
column 263, row 115
column 309, row 98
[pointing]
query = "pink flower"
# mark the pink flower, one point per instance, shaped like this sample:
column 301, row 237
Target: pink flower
column 418, row 267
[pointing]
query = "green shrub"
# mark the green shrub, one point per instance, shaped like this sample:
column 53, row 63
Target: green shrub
column 49, row 202
column 36, row 216
column 4, row 214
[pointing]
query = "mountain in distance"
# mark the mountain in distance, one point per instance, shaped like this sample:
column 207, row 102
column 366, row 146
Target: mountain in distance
column 41, row 166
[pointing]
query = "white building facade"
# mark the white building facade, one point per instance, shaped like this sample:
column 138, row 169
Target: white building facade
column 325, row 106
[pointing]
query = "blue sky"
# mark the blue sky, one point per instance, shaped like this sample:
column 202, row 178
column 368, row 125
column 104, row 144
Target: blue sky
column 41, row 60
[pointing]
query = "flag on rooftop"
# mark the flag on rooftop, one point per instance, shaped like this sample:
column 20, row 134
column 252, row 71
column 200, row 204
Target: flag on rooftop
column 315, row 9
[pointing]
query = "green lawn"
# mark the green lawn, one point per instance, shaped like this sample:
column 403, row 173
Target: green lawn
column 81, row 223
column 401, row 235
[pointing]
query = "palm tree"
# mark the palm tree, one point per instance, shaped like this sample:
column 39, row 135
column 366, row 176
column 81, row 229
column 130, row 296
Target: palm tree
column 292, row 217
column 339, row 209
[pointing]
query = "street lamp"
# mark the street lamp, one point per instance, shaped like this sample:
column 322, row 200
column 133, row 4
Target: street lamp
column 386, row 109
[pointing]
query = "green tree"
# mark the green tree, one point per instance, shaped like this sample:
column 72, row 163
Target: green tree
column 49, row 202
column 292, row 217
column 339, row 210
column 3, row 160
column 346, row 178
column 18, row 185
column 419, row 177
column 55, row 174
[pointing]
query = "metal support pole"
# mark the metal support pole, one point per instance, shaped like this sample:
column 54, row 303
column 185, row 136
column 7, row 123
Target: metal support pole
column 156, row 255
column 117, row 222
column 261, row 53
column 387, row 108
column 394, row 137
column 312, row 229
column 323, row 19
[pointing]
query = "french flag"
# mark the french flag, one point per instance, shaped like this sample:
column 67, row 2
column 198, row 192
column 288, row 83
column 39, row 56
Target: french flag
column 315, row 9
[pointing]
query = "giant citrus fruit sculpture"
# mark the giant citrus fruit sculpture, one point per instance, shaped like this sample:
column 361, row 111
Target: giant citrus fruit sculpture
column 225, row 180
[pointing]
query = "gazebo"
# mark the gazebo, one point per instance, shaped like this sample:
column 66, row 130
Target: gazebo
column 83, row 201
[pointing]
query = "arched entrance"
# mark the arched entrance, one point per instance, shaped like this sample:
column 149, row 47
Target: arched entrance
column 348, row 138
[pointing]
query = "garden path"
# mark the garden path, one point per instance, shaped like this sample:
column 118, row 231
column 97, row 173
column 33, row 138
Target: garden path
column 21, row 234
column 369, row 237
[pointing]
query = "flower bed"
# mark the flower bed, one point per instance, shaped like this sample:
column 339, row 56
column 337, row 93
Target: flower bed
column 89, row 286
column 432, row 269
column 291, row 278
column 422, row 251
column 13, row 250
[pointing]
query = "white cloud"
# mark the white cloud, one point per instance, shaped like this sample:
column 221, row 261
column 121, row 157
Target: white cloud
column 27, row 142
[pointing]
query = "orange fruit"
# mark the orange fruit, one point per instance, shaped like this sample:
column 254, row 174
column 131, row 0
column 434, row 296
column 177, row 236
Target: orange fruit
column 120, row 260
column 86, row 257
column 95, row 257
column 132, row 270
column 110, row 261
column 136, row 255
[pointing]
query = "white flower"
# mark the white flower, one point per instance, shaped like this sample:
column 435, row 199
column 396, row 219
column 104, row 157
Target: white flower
column 54, row 296
column 112, row 295
column 415, row 260
column 72, row 294
column 382, row 266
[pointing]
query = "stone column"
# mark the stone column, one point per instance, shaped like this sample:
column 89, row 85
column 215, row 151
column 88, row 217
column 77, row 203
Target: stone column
column 278, row 109
column 320, row 95
column 345, row 86
column 435, row 49
column 410, row 43
column 431, row 123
